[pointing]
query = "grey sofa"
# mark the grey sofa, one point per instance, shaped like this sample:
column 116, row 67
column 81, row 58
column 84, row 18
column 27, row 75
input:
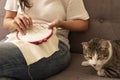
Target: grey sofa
column 104, row 23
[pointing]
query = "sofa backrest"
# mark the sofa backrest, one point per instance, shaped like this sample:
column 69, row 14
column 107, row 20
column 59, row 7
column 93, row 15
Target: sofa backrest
column 104, row 23
column 3, row 32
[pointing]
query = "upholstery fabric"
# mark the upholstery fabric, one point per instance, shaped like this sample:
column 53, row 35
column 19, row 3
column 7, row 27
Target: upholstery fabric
column 3, row 32
column 77, row 72
column 104, row 22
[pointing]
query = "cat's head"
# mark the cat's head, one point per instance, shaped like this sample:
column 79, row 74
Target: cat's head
column 96, row 51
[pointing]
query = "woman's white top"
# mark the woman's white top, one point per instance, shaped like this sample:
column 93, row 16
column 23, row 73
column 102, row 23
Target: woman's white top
column 47, row 11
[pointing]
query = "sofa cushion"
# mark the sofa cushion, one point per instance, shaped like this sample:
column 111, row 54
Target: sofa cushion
column 77, row 72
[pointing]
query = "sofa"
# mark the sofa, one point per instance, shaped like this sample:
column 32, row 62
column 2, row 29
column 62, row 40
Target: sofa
column 104, row 23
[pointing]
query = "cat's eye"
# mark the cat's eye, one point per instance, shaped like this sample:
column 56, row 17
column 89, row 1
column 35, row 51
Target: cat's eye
column 90, row 57
column 102, row 57
column 103, row 49
column 105, row 56
column 99, row 58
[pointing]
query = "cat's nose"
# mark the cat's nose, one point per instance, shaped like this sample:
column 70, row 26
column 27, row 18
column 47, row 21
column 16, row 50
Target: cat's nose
column 94, row 64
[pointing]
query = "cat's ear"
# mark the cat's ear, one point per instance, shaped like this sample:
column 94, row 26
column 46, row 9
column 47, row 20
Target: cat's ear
column 104, row 44
column 85, row 45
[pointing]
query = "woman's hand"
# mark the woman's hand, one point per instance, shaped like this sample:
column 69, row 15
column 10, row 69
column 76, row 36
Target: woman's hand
column 55, row 23
column 22, row 22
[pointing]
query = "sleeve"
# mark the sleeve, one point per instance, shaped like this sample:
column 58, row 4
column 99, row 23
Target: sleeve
column 76, row 10
column 11, row 5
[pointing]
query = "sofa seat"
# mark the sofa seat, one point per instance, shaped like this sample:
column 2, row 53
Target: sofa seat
column 77, row 72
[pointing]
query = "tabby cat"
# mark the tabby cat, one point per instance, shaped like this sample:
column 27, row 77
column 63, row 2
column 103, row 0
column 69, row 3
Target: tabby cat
column 103, row 55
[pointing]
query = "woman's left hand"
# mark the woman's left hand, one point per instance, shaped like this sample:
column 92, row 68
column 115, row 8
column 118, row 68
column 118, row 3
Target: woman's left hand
column 55, row 23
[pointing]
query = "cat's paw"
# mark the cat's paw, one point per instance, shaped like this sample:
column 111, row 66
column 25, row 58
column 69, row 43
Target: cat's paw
column 101, row 72
column 85, row 63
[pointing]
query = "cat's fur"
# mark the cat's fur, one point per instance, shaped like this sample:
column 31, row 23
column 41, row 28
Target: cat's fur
column 103, row 55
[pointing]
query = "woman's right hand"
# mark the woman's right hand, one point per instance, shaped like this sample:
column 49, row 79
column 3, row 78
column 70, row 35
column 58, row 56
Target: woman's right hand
column 22, row 22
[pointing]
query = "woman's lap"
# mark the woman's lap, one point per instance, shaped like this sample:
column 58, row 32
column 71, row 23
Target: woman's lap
column 52, row 65
column 12, row 63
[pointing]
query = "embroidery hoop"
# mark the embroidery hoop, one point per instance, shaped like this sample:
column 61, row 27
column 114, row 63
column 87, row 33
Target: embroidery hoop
column 37, row 35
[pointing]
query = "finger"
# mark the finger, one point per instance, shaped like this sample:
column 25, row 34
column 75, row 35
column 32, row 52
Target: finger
column 53, row 24
column 31, row 23
column 20, row 30
column 28, row 20
column 20, row 23
column 24, row 20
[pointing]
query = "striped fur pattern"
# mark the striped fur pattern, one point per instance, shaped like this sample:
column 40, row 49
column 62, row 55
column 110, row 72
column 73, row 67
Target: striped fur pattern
column 103, row 55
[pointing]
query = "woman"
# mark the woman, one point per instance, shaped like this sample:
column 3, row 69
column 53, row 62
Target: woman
column 65, row 15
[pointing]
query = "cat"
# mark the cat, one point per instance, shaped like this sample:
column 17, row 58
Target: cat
column 103, row 55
